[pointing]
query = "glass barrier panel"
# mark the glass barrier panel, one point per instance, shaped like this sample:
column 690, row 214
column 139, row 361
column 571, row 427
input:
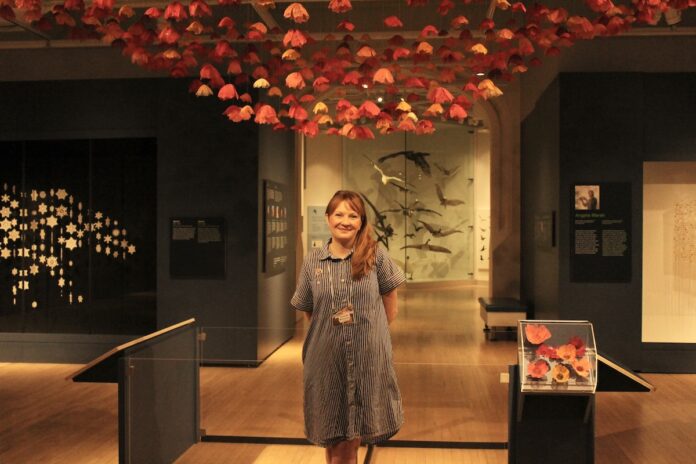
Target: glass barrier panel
column 251, row 381
column 450, row 384
column 160, row 397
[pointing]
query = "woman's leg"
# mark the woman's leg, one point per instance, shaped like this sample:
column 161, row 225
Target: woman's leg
column 345, row 452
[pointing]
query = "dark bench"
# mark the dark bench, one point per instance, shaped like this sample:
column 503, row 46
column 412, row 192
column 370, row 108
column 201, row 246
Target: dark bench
column 500, row 315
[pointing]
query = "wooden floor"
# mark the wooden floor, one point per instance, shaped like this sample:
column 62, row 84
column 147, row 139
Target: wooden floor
column 449, row 377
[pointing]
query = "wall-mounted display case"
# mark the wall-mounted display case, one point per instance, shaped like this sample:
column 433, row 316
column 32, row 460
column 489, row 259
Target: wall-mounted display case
column 557, row 357
column 420, row 198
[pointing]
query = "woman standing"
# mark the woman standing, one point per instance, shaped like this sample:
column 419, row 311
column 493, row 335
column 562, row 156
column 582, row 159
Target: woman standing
column 348, row 291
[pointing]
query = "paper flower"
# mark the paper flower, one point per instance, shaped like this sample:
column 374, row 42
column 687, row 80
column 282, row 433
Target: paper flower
column 175, row 11
column 294, row 38
column 566, row 352
column 261, row 83
column 579, row 346
column 340, row 6
column 383, row 76
column 560, row 373
column 536, row 333
column 537, row 369
column 296, row 12
column 433, row 110
column 198, row 9
column 457, row 112
column 424, row 48
column 204, row 91
column 440, row 95
column 459, row 21
column 582, row 367
column 546, row 351
column 265, row 114
column 369, row 110
column 479, row 49
column 227, row 92
column 236, row 114
column 295, row 81
column 320, row 107
column 393, row 21
column 195, row 28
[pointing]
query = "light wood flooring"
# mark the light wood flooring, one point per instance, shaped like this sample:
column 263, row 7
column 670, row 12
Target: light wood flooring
column 448, row 374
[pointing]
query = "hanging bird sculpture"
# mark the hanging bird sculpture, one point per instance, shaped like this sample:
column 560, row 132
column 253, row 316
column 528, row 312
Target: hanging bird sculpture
column 417, row 157
column 448, row 172
column 444, row 201
column 439, row 231
column 384, row 231
column 427, row 247
column 411, row 210
column 390, row 180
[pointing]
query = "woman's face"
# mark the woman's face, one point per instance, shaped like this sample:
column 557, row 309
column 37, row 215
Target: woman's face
column 344, row 224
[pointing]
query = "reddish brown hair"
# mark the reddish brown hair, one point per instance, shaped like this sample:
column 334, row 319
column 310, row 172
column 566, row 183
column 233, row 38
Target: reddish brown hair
column 363, row 259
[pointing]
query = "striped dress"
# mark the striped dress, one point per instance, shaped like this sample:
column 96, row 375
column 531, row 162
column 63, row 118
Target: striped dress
column 350, row 387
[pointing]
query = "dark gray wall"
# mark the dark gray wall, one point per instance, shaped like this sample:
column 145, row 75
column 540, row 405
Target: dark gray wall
column 276, row 320
column 539, row 171
column 207, row 167
column 609, row 124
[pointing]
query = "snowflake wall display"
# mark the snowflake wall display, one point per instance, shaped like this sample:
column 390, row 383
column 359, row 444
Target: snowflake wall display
column 41, row 232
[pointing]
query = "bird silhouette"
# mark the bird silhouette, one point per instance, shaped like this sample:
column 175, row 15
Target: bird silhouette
column 444, row 201
column 448, row 172
column 389, row 180
column 417, row 157
column 411, row 209
column 384, row 230
column 427, row 247
column 439, row 231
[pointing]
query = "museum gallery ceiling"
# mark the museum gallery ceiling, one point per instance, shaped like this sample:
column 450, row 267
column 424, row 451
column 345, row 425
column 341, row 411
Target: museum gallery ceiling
column 338, row 67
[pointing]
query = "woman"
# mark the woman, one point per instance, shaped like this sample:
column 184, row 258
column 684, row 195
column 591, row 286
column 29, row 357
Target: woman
column 348, row 291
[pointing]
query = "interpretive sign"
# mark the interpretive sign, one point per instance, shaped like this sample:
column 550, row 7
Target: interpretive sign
column 600, row 242
column 197, row 248
column 276, row 238
column 317, row 228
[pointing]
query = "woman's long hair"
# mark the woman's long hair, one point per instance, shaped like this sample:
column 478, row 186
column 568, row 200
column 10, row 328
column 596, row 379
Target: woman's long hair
column 363, row 259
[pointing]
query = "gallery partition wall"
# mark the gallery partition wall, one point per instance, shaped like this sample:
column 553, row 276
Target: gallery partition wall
column 77, row 231
column 625, row 265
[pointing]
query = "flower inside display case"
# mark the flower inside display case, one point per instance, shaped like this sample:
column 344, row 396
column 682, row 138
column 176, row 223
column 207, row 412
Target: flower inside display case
column 557, row 357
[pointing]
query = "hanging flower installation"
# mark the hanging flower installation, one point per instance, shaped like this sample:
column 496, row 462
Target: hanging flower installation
column 438, row 70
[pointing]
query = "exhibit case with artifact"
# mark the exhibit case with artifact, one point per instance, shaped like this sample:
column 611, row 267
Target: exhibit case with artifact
column 557, row 357
column 419, row 192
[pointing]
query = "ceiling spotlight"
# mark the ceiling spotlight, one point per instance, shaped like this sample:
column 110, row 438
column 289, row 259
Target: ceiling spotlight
column 380, row 99
column 480, row 74
column 364, row 86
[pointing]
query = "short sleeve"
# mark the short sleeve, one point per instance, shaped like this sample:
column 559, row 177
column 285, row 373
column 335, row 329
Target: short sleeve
column 389, row 275
column 302, row 299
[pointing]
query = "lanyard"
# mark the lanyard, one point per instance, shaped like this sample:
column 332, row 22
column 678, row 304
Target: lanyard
column 331, row 286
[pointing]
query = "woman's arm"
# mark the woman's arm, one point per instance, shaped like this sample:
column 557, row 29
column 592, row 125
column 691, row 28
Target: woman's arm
column 390, row 305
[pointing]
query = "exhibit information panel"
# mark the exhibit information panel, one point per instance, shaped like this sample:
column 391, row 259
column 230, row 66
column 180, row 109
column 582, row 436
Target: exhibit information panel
column 600, row 242
column 276, row 229
column 557, row 357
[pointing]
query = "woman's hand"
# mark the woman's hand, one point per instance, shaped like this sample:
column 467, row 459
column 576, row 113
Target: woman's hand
column 391, row 306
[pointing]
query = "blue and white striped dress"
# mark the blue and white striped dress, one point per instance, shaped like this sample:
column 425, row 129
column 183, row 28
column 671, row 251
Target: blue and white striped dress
column 350, row 387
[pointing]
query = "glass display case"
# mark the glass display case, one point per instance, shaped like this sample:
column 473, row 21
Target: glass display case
column 557, row 357
column 420, row 198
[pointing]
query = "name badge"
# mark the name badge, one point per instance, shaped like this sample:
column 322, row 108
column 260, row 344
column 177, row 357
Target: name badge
column 344, row 316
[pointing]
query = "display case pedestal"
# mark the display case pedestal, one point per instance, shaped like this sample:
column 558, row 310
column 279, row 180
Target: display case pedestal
column 549, row 428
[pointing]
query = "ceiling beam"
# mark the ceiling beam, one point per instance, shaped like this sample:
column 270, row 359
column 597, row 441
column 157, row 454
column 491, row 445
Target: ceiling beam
column 320, row 37
column 265, row 15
